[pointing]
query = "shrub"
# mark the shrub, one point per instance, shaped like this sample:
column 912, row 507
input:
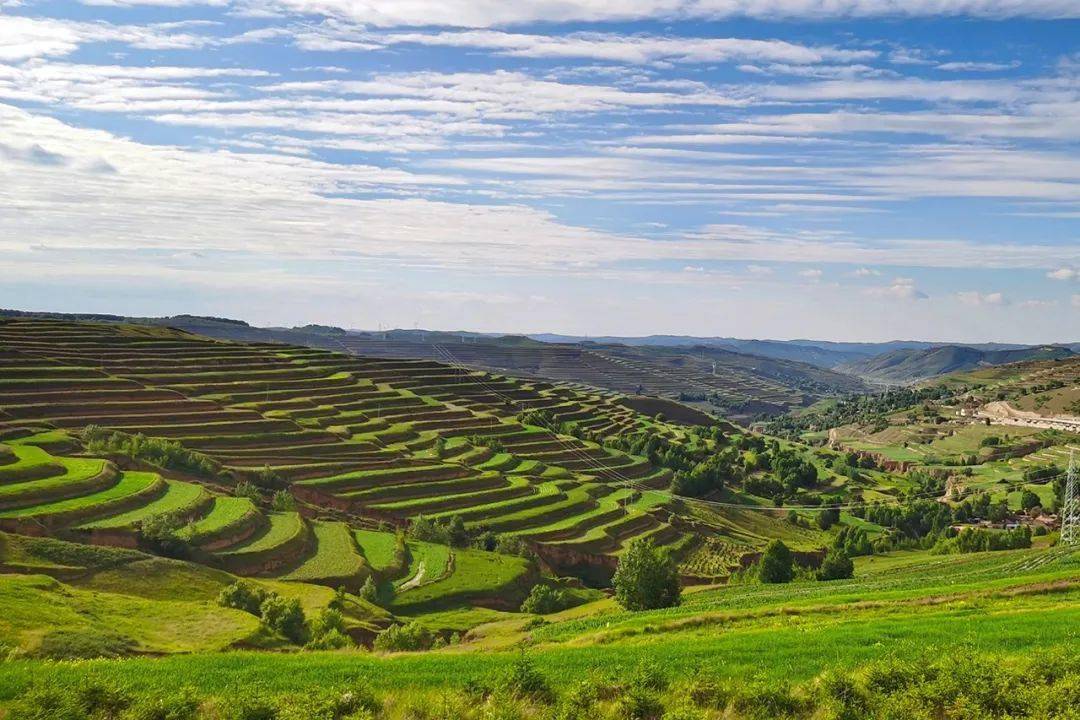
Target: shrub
column 243, row 707
column 777, row 564
column 1029, row 500
column 248, row 489
column 836, row 566
column 283, row 501
column 180, row 706
column 354, row 703
column 445, row 532
column 285, row 617
column 398, row 638
column 161, row 534
column 328, row 631
column 369, row 590
column 243, row 596
column 523, row 681
column 544, row 599
column 646, row 578
column 46, row 701
column 637, row 703
column 828, row 517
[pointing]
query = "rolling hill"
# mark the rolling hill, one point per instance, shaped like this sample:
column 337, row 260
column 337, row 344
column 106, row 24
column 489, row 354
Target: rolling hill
column 911, row 365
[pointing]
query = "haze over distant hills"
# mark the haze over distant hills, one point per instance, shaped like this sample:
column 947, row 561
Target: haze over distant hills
column 805, row 369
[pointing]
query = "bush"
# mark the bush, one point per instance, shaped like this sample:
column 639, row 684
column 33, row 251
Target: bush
column 354, row 703
column 399, row 638
column 370, row 591
column 544, row 599
column 444, row 532
column 180, row 706
column 283, row 501
column 161, row 534
column 328, row 631
column 243, row 596
column 523, row 681
column 828, row 517
column 836, row 566
column 46, row 701
column 777, row 564
column 637, row 703
column 646, row 578
column 284, row 617
column 247, row 489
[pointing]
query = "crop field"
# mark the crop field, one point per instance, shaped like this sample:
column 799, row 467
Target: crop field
column 354, row 434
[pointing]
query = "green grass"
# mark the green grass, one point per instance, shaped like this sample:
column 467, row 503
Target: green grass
column 477, row 574
column 378, row 547
column 130, row 483
column 72, row 472
column 335, row 556
column 226, row 513
column 282, row 528
column 763, row 637
column 180, row 497
column 427, row 562
column 43, row 617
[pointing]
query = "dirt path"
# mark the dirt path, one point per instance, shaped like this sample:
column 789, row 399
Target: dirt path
column 1000, row 412
column 415, row 580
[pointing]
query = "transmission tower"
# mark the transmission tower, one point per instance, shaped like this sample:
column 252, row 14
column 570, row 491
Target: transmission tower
column 1070, row 509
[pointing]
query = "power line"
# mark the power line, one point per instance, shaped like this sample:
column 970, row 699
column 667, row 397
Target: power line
column 1070, row 511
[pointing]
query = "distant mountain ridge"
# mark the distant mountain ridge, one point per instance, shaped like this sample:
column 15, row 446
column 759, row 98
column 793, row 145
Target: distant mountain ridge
column 911, row 365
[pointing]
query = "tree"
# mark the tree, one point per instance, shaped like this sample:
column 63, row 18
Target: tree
column 836, row 566
column 544, row 599
column 777, row 564
column 370, row 591
column 828, row 517
column 1029, row 500
column 646, row 578
column 162, row 534
column 243, row 596
column 285, row 617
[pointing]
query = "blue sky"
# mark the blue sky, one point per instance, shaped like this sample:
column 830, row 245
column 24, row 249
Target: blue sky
column 786, row 168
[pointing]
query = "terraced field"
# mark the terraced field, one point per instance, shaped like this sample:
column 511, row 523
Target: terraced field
column 354, row 439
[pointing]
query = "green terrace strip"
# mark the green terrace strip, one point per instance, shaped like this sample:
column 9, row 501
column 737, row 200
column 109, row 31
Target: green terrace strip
column 227, row 515
column 427, row 562
column 336, row 560
column 380, row 549
column 477, row 575
column 181, row 498
column 132, row 486
column 281, row 529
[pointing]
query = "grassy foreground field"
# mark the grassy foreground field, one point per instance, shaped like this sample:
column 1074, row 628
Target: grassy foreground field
column 985, row 613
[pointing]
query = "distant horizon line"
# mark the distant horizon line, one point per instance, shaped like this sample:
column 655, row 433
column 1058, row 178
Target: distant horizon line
column 532, row 334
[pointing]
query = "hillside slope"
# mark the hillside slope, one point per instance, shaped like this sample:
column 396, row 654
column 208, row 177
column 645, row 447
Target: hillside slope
column 911, row 365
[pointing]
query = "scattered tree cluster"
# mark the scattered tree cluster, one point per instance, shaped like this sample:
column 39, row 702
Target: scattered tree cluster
column 164, row 453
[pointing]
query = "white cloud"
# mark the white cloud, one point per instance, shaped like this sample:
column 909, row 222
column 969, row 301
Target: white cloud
column 759, row 270
column 812, row 274
column 694, row 269
column 975, row 298
column 607, row 47
column 1076, row 300
column 900, row 289
column 494, row 13
column 866, row 272
column 1064, row 273
column 976, row 66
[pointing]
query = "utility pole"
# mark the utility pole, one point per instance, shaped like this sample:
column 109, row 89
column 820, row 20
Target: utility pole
column 1070, row 509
